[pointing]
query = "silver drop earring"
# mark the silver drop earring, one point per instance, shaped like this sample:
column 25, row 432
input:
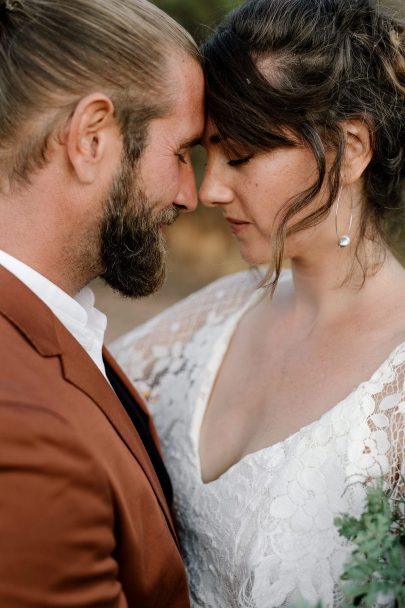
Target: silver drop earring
column 344, row 240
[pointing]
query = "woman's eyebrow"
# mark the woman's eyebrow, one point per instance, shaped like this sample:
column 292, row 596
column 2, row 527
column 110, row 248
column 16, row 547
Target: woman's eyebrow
column 215, row 139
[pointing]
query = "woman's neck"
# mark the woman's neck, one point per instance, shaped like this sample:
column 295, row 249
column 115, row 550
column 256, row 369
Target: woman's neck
column 329, row 287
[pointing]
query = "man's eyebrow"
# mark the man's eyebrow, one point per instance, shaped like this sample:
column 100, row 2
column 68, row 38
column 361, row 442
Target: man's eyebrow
column 191, row 143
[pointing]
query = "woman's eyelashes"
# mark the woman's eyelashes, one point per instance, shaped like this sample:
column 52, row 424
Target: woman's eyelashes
column 243, row 160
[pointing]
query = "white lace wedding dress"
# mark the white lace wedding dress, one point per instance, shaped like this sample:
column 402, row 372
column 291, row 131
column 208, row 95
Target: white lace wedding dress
column 263, row 534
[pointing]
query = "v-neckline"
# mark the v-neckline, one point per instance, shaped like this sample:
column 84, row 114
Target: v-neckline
column 229, row 330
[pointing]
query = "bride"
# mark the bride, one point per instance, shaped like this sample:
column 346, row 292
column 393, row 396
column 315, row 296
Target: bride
column 277, row 405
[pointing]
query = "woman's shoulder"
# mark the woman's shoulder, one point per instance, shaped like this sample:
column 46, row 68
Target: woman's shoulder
column 239, row 285
column 221, row 297
column 138, row 350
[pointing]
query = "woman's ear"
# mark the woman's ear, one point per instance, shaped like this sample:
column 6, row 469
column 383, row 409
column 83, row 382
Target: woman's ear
column 90, row 134
column 358, row 150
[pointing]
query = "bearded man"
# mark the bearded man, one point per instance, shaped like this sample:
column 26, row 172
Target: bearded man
column 100, row 103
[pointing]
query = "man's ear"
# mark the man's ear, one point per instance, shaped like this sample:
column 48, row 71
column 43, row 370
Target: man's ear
column 90, row 133
column 358, row 150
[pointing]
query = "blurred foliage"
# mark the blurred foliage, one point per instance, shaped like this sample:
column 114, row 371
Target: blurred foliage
column 198, row 16
column 398, row 6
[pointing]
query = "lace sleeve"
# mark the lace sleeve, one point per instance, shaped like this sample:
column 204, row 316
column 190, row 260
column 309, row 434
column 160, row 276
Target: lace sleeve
column 377, row 440
column 386, row 423
column 149, row 351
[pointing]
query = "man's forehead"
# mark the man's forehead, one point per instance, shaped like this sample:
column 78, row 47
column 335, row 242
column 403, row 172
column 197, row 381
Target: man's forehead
column 184, row 123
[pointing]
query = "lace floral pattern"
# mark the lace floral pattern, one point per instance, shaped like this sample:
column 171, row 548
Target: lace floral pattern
column 262, row 535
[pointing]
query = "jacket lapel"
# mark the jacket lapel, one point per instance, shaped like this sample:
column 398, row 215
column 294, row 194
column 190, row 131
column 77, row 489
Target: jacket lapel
column 80, row 370
column 44, row 331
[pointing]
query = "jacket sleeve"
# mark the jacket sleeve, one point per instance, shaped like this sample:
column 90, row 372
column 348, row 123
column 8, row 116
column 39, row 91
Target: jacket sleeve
column 56, row 516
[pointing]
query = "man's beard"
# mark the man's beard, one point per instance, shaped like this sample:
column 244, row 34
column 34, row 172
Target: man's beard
column 133, row 248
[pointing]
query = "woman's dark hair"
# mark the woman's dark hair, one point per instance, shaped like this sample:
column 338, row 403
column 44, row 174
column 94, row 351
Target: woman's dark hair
column 276, row 68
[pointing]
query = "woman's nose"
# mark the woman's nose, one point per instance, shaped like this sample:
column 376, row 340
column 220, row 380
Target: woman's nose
column 213, row 190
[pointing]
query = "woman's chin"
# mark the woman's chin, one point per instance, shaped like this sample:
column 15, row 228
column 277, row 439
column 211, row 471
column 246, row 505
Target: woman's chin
column 253, row 258
column 262, row 256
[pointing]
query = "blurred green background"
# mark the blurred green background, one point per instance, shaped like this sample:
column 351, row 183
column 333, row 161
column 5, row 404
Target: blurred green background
column 200, row 245
column 197, row 16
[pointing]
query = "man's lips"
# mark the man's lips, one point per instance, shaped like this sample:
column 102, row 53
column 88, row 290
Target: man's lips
column 237, row 226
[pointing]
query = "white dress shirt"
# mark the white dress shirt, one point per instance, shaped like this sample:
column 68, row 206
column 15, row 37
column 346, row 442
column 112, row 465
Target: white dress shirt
column 78, row 315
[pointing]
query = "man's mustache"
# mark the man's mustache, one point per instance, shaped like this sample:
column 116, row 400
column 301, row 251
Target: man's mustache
column 168, row 216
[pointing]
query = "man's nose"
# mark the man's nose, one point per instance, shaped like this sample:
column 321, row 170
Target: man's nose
column 187, row 198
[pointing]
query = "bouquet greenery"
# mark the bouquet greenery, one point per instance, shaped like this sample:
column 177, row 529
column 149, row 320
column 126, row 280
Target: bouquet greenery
column 375, row 574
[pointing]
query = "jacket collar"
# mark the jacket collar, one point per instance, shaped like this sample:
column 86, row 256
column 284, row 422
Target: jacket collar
column 50, row 338
column 22, row 307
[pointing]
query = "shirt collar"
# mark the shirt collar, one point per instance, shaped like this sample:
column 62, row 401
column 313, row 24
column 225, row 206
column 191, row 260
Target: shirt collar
column 78, row 314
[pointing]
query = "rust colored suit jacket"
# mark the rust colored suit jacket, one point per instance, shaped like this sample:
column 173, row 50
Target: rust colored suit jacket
column 83, row 519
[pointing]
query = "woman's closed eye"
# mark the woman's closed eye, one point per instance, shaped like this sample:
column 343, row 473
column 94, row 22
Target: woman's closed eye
column 237, row 162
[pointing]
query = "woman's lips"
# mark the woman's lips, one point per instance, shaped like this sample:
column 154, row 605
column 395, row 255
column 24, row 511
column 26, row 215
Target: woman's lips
column 237, row 226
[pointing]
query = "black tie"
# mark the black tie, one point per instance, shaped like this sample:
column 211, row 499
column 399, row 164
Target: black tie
column 140, row 422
